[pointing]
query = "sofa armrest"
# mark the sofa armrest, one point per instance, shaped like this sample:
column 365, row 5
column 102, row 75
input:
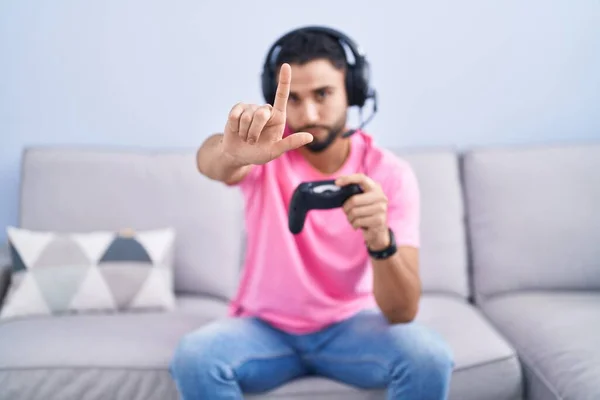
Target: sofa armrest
column 5, row 273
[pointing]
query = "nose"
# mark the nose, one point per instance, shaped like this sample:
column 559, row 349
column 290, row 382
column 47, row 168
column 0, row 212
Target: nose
column 310, row 113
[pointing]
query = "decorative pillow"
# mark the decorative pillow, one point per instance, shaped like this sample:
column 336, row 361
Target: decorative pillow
column 60, row 273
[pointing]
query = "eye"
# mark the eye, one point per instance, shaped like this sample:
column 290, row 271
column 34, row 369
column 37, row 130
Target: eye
column 293, row 98
column 322, row 94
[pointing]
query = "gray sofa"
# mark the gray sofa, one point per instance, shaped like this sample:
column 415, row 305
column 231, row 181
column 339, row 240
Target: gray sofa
column 510, row 263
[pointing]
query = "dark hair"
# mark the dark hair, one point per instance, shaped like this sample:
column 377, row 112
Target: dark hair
column 303, row 47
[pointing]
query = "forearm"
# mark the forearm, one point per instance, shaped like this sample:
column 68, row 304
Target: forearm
column 214, row 164
column 396, row 279
column 397, row 288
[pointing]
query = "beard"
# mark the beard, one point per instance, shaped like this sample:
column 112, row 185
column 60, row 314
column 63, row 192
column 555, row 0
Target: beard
column 333, row 131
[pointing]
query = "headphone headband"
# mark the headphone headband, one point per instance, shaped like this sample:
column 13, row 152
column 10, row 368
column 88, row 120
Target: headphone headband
column 358, row 84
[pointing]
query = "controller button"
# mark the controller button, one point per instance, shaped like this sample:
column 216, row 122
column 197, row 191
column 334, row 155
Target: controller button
column 326, row 188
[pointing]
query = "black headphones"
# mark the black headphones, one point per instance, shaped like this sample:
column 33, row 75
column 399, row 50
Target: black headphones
column 358, row 85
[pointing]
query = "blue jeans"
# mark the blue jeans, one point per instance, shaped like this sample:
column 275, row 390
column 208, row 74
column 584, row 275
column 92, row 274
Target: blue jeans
column 233, row 356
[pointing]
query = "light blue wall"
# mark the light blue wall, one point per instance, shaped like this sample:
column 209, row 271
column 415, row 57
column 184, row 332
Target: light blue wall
column 150, row 73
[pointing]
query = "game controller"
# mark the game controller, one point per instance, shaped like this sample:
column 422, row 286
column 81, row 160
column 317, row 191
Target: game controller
column 317, row 195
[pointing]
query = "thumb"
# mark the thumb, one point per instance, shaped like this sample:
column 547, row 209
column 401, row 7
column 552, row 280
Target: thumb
column 292, row 142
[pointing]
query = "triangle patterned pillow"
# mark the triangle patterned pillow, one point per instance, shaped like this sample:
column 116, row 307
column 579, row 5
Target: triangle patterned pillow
column 102, row 271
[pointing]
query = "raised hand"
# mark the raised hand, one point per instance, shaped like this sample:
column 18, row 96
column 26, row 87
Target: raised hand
column 254, row 134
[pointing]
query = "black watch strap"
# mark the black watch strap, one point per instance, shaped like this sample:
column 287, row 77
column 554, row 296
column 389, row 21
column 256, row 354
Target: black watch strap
column 388, row 251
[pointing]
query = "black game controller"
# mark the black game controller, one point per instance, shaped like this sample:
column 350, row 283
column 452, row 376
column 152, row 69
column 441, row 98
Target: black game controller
column 317, row 195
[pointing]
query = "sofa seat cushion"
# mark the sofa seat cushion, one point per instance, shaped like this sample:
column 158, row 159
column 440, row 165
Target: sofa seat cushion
column 486, row 365
column 126, row 356
column 557, row 336
column 118, row 356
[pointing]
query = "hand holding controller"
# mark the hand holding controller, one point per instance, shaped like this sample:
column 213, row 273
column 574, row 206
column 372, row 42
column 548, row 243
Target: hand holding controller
column 317, row 195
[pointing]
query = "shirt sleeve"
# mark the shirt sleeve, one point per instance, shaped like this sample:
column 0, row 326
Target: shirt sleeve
column 251, row 177
column 404, row 206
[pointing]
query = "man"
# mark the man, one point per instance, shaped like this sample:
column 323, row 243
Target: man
column 338, row 299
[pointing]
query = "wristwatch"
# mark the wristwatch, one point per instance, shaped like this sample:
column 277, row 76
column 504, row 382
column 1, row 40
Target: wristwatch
column 388, row 251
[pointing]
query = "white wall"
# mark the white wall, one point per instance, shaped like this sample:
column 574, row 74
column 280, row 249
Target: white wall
column 150, row 73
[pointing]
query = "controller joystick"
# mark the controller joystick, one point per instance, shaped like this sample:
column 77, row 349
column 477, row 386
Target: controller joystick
column 317, row 195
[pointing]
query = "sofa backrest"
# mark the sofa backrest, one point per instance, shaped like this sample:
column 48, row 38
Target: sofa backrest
column 68, row 189
column 443, row 253
column 534, row 218
column 71, row 189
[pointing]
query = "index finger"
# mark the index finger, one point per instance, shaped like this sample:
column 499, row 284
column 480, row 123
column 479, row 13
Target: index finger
column 283, row 87
column 366, row 183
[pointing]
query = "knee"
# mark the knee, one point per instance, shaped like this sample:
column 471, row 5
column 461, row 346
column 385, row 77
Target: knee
column 196, row 355
column 187, row 355
column 429, row 360
column 435, row 362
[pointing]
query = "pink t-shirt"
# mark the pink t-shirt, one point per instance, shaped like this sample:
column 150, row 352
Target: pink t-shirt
column 302, row 283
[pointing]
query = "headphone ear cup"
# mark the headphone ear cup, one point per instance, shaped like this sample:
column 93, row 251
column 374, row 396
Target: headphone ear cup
column 362, row 82
column 351, row 85
column 357, row 83
column 267, row 87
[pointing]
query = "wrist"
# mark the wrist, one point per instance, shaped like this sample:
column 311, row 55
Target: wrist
column 380, row 241
column 228, row 160
column 384, row 247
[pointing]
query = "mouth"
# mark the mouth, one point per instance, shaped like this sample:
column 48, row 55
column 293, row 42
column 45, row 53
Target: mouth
column 317, row 131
